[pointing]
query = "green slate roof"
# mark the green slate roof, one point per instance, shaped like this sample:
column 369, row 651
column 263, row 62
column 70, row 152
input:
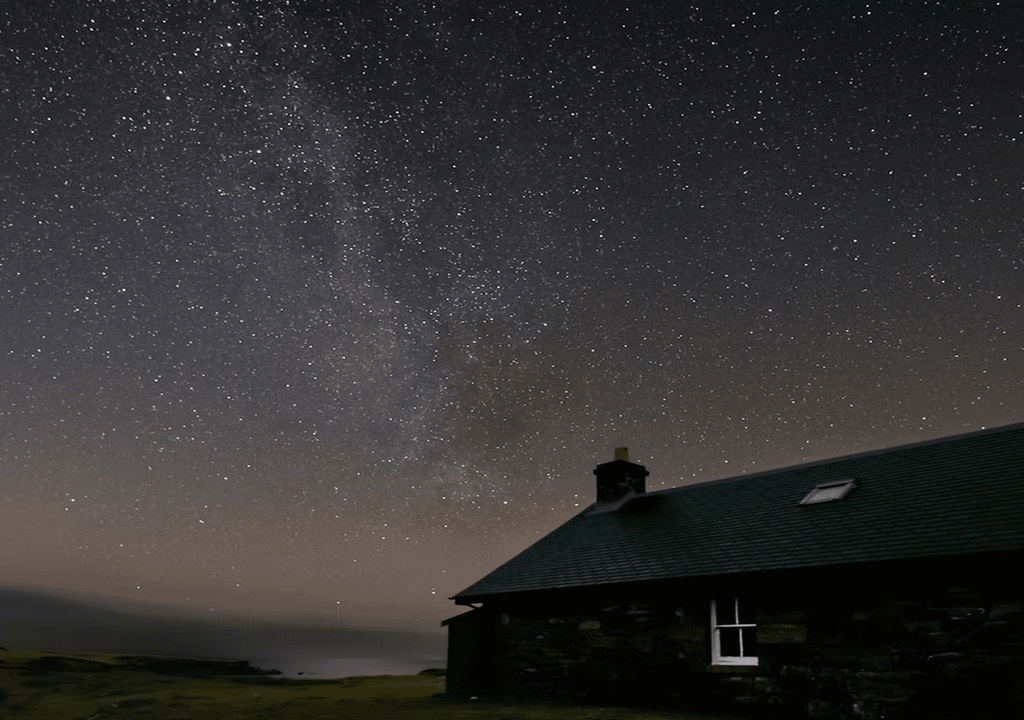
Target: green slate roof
column 950, row 496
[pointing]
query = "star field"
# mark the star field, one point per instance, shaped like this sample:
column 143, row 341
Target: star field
column 330, row 308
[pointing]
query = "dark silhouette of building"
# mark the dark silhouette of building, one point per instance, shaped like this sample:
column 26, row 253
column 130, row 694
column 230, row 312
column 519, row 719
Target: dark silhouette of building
column 883, row 584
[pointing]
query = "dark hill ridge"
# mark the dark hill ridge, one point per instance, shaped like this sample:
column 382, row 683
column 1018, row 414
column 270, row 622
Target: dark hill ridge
column 60, row 664
column 178, row 667
column 183, row 667
column 38, row 669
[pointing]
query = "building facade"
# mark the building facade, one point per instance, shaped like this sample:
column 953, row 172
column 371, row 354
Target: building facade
column 885, row 584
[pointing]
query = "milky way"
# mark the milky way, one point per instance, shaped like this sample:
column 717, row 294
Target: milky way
column 332, row 310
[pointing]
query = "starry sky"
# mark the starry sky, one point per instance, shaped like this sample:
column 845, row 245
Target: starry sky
column 327, row 309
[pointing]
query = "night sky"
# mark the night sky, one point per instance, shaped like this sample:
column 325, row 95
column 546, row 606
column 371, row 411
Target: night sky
column 331, row 310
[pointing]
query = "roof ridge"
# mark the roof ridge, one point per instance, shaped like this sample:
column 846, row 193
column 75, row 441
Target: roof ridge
column 841, row 458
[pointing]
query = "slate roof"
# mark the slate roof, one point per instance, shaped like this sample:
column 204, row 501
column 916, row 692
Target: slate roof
column 956, row 495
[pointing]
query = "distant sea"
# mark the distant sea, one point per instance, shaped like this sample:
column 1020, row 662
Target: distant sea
column 32, row 620
column 331, row 668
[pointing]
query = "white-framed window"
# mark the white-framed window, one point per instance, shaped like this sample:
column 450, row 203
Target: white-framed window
column 733, row 632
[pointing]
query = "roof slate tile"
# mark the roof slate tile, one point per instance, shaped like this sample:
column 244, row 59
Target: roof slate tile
column 949, row 496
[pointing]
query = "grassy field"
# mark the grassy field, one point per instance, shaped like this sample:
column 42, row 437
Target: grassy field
column 37, row 685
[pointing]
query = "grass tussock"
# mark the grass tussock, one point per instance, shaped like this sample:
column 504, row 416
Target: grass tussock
column 37, row 685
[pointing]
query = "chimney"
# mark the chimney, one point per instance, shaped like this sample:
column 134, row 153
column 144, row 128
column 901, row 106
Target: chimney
column 619, row 478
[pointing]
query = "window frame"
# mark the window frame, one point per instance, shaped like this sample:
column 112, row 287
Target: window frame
column 716, row 644
column 820, row 492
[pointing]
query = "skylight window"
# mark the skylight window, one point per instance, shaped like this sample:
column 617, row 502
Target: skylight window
column 827, row 492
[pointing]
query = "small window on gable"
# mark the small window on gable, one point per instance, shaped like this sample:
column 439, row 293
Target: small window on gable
column 829, row 491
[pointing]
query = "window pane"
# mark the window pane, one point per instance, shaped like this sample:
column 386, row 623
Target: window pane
column 725, row 611
column 729, row 642
column 747, row 614
column 749, row 641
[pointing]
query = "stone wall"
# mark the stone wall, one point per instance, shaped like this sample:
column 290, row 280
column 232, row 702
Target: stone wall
column 632, row 653
column 953, row 654
column 831, row 645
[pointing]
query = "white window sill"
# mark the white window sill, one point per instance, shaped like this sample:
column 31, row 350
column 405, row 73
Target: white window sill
column 735, row 661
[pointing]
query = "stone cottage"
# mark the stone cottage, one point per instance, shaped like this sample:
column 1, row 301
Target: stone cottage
column 882, row 584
